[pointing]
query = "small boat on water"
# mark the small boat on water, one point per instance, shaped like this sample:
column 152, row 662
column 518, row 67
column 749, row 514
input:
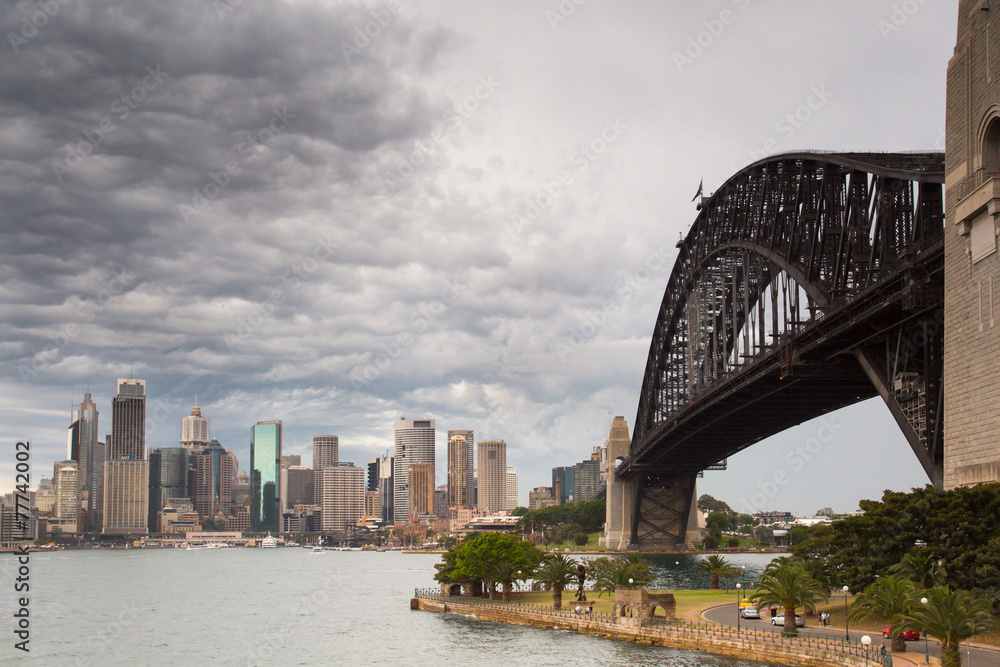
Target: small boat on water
column 269, row 542
column 317, row 549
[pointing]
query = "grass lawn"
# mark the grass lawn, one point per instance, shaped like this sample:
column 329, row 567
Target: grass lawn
column 689, row 603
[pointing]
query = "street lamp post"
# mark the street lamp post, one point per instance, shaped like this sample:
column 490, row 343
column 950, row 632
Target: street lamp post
column 739, row 599
column 866, row 640
column 847, row 629
column 927, row 655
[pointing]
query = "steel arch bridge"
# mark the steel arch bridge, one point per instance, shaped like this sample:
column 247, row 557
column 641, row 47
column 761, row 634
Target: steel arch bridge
column 808, row 282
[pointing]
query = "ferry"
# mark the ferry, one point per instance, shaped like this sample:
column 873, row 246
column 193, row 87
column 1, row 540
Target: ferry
column 269, row 542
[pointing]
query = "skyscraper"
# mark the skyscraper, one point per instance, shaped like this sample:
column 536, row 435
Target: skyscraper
column 421, row 488
column 343, row 500
column 470, row 462
column 168, row 478
column 458, row 473
column 492, row 475
column 326, row 451
column 414, row 440
column 382, row 468
column 83, row 448
column 297, row 487
column 66, row 478
column 194, row 430
column 126, row 472
column 265, row 479
column 511, row 489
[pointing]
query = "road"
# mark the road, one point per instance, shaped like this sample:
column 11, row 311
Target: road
column 976, row 657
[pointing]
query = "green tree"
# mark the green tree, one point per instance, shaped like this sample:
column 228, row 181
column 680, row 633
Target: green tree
column 556, row 572
column 745, row 520
column 588, row 516
column 707, row 503
column 715, row 567
column 921, row 568
column 791, row 587
column 988, row 574
column 797, row 535
column 950, row 616
column 717, row 522
column 711, row 541
column 734, row 542
column 889, row 599
column 764, row 535
column 492, row 558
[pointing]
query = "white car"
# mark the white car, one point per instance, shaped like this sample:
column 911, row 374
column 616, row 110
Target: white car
column 749, row 612
column 780, row 620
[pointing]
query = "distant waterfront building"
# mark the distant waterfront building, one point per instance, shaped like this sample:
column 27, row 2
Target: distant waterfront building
column 168, row 478
column 421, row 488
column 126, row 472
column 380, row 478
column 492, row 475
column 562, row 484
column 373, row 504
column 213, row 470
column 265, row 461
column 67, row 485
column 241, row 491
column 539, row 497
column 470, row 461
column 194, row 430
column 45, row 496
column 326, row 451
column 414, row 443
column 441, row 502
column 587, row 478
column 511, row 489
column 297, row 487
column 88, row 452
column 343, row 495
column 458, row 472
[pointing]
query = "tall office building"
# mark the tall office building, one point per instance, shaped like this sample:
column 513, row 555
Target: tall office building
column 326, row 451
column 66, row 478
column 421, row 488
column 492, row 475
column 84, row 448
column 95, row 503
column 458, row 472
column 470, row 459
column 289, row 460
column 511, row 489
column 194, row 430
column 587, row 478
column 343, row 496
column 168, row 478
column 297, row 487
column 265, row 476
column 373, row 504
column 562, row 484
column 414, row 440
column 380, row 478
column 126, row 472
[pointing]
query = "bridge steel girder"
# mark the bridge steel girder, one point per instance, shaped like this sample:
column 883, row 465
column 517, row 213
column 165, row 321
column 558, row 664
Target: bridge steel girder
column 809, row 282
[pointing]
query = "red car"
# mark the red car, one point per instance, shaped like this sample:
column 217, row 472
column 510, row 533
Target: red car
column 909, row 635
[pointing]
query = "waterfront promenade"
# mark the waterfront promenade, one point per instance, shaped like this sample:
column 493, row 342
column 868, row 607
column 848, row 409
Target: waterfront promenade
column 759, row 645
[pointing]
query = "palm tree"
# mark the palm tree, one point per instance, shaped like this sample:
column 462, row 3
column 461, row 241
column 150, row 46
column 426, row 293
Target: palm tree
column 921, row 568
column 715, row 566
column 505, row 573
column 891, row 599
column 557, row 572
column 950, row 616
column 791, row 587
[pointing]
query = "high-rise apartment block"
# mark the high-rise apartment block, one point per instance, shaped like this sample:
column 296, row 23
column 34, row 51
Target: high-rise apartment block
column 326, row 451
column 265, row 476
column 458, row 471
column 470, row 461
column 421, row 489
column 492, row 475
column 414, row 443
column 194, row 430
column 343, row 496
column 67, row 488
column 126, row 472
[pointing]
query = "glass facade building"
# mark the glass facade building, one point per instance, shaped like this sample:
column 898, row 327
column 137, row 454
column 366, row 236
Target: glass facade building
column 265, row 476
column 168, row 478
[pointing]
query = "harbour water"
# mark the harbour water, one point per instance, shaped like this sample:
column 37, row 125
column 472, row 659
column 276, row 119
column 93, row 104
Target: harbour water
column 287, row 606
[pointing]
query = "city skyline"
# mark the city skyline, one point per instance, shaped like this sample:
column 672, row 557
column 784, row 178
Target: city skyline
column 457, row 276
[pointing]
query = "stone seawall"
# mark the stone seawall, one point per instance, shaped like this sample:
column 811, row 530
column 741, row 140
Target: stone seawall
column 761, row 647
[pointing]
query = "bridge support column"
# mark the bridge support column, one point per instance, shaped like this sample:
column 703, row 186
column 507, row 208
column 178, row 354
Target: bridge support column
column 665, row 512
column 618, row 513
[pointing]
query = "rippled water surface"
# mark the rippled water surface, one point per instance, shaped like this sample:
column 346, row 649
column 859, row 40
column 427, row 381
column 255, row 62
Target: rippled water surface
column 289, row 607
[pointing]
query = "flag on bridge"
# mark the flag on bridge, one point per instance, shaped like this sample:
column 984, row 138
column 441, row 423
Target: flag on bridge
column 698, row 194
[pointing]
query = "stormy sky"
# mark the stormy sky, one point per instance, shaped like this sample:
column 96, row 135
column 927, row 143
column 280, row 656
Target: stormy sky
column 340, row 213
